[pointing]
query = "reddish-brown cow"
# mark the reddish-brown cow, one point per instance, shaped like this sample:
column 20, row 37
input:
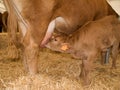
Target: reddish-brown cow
column 90, row 40
column 35, row 17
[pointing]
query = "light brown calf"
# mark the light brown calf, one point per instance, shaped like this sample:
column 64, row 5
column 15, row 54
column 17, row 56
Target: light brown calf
column 89, row 41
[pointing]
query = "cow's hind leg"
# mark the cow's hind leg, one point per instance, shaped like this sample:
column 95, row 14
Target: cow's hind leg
column 30, row 56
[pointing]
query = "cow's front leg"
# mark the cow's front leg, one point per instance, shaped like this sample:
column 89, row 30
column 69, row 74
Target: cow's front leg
column 30, row 56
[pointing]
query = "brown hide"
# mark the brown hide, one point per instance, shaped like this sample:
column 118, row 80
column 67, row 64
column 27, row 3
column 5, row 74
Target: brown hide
column 38, row 13
column 90, row 40
column 76, row 12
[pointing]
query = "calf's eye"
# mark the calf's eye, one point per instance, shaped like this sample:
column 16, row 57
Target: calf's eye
column 55, row 39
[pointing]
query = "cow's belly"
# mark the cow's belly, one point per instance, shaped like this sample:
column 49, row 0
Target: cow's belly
column 68, row 25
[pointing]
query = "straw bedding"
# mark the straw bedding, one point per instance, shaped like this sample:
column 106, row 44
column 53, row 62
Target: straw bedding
column 57, row 71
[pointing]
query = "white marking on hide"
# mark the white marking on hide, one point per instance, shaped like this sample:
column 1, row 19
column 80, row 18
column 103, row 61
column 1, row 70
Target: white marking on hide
column 60, row 24
column 60, row 19
column 22, row 28
column 49, row 32
column 17, row 6
column 51, row 27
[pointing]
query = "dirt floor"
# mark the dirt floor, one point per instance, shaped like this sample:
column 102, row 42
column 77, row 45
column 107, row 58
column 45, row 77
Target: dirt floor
column 57, row 71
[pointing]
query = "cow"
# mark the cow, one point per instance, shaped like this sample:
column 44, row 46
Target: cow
column 37, row 19
column 89, row 41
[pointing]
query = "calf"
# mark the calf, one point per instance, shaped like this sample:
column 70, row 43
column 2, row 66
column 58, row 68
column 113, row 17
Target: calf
column 88, row 41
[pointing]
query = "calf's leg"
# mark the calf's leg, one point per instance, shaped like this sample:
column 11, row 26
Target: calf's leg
column 105, row 56
column 115, row 51
column 87, row 66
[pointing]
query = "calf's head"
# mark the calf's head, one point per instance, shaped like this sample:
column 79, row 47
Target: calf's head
column 57, row 43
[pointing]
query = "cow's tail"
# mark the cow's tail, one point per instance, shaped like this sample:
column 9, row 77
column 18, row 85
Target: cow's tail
column 12, row 32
